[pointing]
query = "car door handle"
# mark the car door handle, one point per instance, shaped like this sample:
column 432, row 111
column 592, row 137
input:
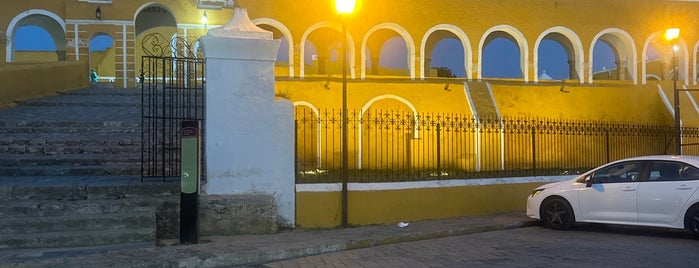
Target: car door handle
column 628, row 189
column 684, row 187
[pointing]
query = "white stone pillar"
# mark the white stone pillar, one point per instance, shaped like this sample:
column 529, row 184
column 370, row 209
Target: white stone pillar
column 249, row 135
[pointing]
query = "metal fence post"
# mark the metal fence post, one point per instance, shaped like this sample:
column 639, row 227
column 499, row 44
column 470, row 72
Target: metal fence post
column 533, row 150
column 439, row 150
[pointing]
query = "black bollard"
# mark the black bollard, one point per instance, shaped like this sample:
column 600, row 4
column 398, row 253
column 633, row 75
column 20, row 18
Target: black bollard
column 189, row 184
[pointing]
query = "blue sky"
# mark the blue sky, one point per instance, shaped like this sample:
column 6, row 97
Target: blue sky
column 500, row 56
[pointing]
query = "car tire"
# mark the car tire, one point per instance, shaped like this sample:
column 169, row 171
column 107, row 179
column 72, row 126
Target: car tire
column 692, row 220
column 557, row 214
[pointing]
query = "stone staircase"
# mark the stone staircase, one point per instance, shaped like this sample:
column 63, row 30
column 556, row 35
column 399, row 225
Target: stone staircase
column 481, row 99
column 70, row 172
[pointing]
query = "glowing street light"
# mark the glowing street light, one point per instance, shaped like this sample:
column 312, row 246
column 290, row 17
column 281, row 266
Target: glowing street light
column 671, row 35
column 344, row 8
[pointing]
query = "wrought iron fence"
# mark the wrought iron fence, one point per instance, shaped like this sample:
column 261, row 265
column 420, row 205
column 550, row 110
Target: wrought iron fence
column 391, row 146
column 172, row 91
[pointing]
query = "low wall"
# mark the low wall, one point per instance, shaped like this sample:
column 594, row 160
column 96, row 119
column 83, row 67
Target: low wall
column 318, row 205
column 22, row 81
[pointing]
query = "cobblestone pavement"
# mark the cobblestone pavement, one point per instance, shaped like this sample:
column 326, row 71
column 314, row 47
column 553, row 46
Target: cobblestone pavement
column 230, row 251
column 587, row 246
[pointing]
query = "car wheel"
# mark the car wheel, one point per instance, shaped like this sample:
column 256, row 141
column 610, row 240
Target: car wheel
column 692, row 220
column 557, row 214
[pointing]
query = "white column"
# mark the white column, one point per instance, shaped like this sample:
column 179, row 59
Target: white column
column 249, row 135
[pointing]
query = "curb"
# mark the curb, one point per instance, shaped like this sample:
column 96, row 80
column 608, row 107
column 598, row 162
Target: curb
column 258, row 257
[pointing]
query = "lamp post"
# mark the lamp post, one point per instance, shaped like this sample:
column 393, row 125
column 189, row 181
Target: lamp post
column 672, row 35
column 344, row 8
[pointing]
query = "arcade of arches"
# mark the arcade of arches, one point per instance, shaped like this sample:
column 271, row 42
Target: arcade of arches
column 531, row 46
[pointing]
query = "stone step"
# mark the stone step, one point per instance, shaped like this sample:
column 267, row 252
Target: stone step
column 52, row 208
column 84, row 159
column 76, row 238
column 57, row 149
column 74, row 223
column 126, row 169
column 44, row 188
column 14, row 129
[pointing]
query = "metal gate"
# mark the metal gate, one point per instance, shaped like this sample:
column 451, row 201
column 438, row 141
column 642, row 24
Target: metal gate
column 172, row 86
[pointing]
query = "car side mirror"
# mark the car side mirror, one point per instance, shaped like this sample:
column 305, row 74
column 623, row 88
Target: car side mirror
column 589, row 182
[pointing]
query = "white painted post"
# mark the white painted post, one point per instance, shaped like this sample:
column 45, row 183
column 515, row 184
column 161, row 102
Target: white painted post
column 249, row 135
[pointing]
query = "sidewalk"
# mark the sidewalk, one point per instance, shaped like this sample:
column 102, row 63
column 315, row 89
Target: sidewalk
column 258, row 249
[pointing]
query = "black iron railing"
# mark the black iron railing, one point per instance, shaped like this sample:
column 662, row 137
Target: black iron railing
column 394, row 146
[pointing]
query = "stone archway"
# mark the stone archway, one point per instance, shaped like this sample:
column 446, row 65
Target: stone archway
column 514, row 34
column 572, row 45
column 403, row 33
column 456, row 32
column 279, row 29
column 49, row 21
column 625, row 48
column 332, row 26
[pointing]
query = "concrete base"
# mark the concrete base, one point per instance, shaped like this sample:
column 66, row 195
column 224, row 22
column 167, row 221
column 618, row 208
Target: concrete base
column 222, row 215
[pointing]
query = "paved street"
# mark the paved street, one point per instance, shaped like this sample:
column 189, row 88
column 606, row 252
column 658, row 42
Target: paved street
column 586, row 246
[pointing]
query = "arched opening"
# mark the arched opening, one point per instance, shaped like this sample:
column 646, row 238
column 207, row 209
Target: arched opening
column 389, row 50
column 613, row 56
column 386, row 54
column 554, row 62
column 102, row 58
column 36, row 36
column 321, row 50
column 285, row 55
column 34, row 44
column 393, row 58
column 501, row 57
column 557, row 58
column 308, row 133
column 661, row 61
column 155, row 26
column 387, row 130
column 444, row 55
column 606, row 64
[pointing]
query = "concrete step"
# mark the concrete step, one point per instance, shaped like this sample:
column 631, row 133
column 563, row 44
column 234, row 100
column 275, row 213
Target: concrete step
column 69, row 143
column 107, row 169
column 34, row 127
column 74, row 223
column 53, row 208
column 76, row 238
column 83, row 188
column 79, row 159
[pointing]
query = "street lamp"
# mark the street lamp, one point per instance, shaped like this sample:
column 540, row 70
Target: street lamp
column 672, row 35
column 345, row 9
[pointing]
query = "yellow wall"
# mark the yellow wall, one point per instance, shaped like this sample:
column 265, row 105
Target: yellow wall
column 620, row 102
column 25, row 81
column 36, row 56
column 323, row 209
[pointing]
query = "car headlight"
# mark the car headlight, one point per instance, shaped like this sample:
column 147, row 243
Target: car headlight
column 537, row 191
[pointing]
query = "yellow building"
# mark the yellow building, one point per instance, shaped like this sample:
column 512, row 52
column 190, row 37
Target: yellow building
column 393, row 50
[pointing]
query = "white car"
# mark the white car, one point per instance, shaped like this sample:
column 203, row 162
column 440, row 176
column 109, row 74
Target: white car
column 659, row 191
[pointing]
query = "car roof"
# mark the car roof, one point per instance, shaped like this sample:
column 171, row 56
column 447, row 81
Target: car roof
column 690, row 159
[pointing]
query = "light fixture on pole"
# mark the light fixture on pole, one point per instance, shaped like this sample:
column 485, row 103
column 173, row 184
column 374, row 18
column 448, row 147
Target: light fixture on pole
column 98, row 13
column 345, row 9
column 672, row 35
column 205, row 19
